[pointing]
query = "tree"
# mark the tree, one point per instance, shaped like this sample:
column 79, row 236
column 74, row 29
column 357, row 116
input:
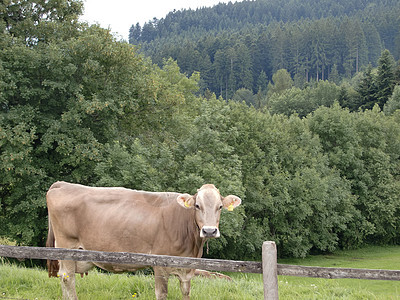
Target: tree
column 135, row 33
column 303, row 102
column 220, row 65
column 385, row 80
column 349, row 97
column 30, row 94
column 36, row 21
column 397, row 73
column 244, row 95
column 149, row 31
column 367, row 89
column 262, row 82
column 393, row 103
column 281, row 82
column 334, row 75
column 243, row 67
column 63, row 98
column 364, row 148
column 290, row 101
column 373, row 41
column 287, row 185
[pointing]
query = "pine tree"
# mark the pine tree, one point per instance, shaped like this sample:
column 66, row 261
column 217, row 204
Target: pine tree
column 334, row 75
column 397, row 73
column 367, row 90
column 393, row 103
column 385, row 80
column 135, row 33
column 262, row 82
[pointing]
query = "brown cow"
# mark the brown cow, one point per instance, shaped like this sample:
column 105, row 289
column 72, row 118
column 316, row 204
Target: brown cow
column 124, row 220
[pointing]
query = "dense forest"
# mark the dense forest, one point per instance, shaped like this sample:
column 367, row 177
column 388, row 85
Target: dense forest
column 241, row 45
column 315, row 173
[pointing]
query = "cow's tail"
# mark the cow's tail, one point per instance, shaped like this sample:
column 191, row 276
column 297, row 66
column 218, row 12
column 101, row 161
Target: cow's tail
column 52, row 265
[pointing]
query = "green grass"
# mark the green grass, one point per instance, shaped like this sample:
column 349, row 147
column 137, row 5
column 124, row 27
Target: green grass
column 23, row 283
column 373, row 257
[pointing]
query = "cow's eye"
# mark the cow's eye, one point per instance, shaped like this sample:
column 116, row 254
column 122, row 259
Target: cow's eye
column 220, row 207
column 197, row 206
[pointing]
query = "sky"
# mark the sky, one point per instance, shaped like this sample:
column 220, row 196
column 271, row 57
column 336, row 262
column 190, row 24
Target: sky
column 119, row 15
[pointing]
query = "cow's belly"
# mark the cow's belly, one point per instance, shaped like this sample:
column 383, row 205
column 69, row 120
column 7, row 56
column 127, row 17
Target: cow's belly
column 118, row 268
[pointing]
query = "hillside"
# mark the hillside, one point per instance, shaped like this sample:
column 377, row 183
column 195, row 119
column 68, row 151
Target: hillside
column 242, row 45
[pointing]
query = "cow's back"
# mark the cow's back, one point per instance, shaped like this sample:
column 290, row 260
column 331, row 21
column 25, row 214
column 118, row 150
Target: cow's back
column 109, row 219
column 70, row 194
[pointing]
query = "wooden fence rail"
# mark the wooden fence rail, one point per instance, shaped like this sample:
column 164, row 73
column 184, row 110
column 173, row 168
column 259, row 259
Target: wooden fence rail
column 268, row 267
column 130, row 258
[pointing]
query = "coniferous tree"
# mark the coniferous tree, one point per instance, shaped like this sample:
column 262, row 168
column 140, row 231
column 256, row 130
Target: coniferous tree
column 373, row 41
column 393, row 103
column 262, row 82
column 367, row 90
column 334, row 75
column 135, row 33
column 397, row 73
column 385, row 79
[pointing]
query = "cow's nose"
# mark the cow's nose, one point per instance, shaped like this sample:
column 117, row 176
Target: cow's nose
column 209, row 232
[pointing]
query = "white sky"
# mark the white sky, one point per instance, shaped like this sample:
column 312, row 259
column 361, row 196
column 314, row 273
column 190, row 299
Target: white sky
column 119, row 15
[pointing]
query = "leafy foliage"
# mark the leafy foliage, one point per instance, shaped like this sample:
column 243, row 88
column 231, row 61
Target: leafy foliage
column 77, row 105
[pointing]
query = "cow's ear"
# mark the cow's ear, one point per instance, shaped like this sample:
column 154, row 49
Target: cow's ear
column 231, row 202
column 185, row 200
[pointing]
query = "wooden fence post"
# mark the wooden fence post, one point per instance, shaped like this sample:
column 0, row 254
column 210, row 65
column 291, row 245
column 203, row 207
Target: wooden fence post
column 270, row 271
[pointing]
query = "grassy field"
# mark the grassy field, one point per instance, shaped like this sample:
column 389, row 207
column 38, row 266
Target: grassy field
column 22, row 283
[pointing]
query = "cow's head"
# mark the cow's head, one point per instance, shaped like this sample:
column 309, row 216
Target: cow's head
column 208, row 204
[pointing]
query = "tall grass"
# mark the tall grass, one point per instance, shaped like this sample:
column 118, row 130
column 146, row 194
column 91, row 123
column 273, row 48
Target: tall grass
column 23, row 283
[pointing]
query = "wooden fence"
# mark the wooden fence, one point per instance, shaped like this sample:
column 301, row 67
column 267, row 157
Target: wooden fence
column 268, row 267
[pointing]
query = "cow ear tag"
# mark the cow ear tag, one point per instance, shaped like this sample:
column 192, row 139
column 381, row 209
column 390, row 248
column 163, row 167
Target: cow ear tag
column 230, row 207
column 186, row 204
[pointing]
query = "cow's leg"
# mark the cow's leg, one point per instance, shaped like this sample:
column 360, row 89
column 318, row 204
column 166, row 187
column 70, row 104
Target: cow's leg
column 184, row 279
column 67, row 276
column 185, row 289
column 161, row 283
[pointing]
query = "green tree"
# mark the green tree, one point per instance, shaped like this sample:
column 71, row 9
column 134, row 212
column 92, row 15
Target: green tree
column 364, row 147
column 379, row 196
column 334, row 75
column 205, row 155
column 62, row 99
column 29, row 35
column 349, row 97
column 340, row 141
column 367, row 89
column 281, row 82
column 244, row 75
column 262, row 82
column 220, row 65
column 393, row 103
column 289, row 187
column 385, row 80
column 244, row 95
column 135, row 33
column 291, row 101
column 303, row 102
column 374, row 42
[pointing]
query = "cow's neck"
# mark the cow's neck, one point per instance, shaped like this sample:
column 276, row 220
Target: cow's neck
column 183, row 231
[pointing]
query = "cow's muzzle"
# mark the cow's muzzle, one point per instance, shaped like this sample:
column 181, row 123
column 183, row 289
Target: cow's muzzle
column 209, row 232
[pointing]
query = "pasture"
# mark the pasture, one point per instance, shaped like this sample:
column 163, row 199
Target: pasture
column 23, row 283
